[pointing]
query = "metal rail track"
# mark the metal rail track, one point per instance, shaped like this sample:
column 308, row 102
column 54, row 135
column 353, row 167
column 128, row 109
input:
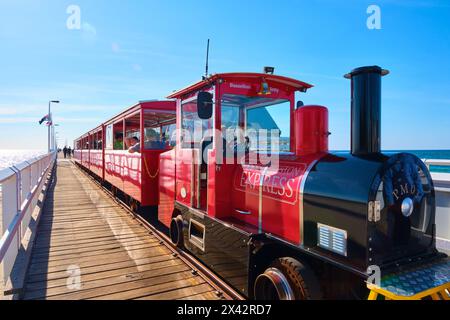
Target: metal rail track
column 223, row 290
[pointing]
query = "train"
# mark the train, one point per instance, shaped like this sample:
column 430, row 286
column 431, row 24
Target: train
column 279, row 219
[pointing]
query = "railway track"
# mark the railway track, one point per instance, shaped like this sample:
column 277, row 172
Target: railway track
column 223, row 290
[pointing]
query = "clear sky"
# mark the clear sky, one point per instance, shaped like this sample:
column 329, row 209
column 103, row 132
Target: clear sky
column 134, row 50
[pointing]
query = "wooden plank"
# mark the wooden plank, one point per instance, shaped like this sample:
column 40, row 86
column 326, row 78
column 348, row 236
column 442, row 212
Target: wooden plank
column 96, row 254
column 141, row 290
column 94, row 288
column 93, row 261
column 105, row 270
column 179, row 293
column 123, row 241
column 91, row 237
column 202, row 296
column 94, row 248
column 141, row 280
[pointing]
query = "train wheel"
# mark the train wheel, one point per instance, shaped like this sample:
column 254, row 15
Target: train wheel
column 134, row 205
column 287, row 279
column 114, row 191
column 176, row 231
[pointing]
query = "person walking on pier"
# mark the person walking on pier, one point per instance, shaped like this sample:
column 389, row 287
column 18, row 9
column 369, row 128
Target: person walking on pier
column 69, row 152
column 65, row 152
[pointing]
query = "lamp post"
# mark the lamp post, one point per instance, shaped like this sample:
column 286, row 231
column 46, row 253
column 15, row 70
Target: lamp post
column 51, row 121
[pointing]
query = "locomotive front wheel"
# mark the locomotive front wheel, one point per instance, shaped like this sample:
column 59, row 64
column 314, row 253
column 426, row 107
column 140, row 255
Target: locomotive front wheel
column 287, row 279
column 176, row 231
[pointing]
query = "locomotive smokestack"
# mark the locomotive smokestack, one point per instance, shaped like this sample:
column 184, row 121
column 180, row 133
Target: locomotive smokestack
column 366, row 109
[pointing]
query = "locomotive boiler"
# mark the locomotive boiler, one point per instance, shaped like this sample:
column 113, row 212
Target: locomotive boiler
column 313, row 226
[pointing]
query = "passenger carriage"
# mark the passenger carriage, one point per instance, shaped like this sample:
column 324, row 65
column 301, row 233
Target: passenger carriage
column 104, row 151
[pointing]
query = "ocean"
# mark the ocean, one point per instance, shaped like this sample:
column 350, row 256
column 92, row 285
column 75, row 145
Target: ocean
column 432, row 154
column 12, row 157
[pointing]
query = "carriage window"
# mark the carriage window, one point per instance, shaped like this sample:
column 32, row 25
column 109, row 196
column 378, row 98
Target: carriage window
column 96, row 141
column 270, row 126
column 168, row 134
column 266, row 121
column 100, row 140
column 194, row 128
column 157, row 133
column 132, row 131
column 109, row 137
column 118, row 136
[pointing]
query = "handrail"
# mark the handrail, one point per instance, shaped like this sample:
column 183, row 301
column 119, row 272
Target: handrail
column 22, row 185
column 439, row 177
column 436, row 162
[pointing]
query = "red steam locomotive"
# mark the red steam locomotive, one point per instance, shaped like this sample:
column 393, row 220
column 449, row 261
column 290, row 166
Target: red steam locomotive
column 242, row 178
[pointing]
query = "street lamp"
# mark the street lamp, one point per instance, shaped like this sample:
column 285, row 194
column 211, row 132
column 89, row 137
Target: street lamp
column 51, row 121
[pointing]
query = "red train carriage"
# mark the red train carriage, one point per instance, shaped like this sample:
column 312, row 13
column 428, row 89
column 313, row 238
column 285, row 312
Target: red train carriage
column 310, row 225
column 105, row 151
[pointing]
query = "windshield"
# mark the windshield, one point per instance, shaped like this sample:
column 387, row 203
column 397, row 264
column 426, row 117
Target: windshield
column 265, row 122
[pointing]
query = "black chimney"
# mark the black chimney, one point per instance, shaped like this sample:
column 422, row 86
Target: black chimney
column 366, row 109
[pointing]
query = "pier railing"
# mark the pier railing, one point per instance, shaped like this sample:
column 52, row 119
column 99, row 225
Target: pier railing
column 21, row 186
column 441, row 182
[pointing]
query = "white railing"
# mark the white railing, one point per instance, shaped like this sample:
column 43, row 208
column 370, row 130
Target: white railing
column 21, row 186
column 442, row 188
column 441, row 180
column 437, row 162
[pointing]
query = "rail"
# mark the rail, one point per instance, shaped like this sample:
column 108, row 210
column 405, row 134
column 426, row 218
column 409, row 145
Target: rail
column 21, row 186
column 441, row 179
column 441, row 182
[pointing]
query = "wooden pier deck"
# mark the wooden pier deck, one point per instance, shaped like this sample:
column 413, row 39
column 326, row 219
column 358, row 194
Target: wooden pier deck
column 88, row 247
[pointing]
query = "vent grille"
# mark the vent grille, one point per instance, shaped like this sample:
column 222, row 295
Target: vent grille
column 332, row 239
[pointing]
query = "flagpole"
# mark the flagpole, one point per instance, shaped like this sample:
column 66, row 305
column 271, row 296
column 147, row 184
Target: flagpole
column 51, row 124
column 48, row 128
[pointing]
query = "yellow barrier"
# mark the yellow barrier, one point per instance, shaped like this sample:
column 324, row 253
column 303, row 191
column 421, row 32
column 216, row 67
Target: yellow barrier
column 438, row 293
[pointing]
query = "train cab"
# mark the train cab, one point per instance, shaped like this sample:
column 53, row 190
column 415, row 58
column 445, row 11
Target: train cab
column 133, row 141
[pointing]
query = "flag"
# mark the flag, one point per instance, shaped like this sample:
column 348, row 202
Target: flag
column 45, row 118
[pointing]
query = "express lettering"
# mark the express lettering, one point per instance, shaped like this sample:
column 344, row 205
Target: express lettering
column 278, row 185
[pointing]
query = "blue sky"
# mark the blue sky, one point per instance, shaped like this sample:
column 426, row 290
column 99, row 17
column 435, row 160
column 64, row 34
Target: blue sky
column 138, row 50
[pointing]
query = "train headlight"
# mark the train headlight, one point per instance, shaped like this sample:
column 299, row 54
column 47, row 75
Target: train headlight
column 407, row 207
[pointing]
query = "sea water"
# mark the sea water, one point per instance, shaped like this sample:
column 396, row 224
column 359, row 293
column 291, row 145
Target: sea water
column 12, row 157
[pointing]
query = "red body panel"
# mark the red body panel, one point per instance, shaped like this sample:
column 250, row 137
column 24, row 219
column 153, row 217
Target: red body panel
column 96, row 162
column 311, row 130
column 166, row 187
column 77, row 156
column 113, row 168
column 85, row 159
